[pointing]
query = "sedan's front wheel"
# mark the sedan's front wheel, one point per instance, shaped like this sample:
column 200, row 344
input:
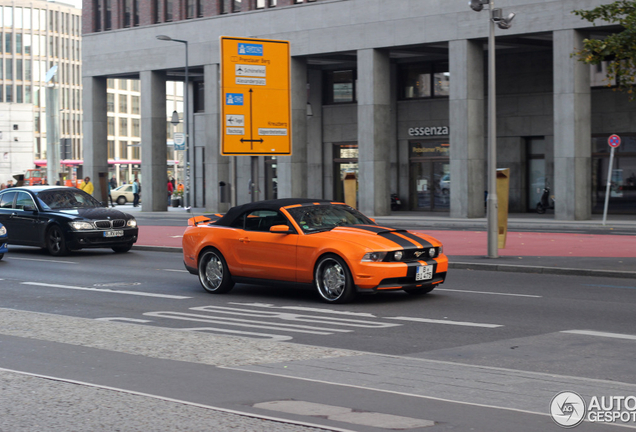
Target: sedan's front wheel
column 333, row 280
column 213, row 272
column 55, row 242
column 121, row 200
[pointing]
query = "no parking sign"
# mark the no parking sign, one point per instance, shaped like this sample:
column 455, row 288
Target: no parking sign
column 614, row 141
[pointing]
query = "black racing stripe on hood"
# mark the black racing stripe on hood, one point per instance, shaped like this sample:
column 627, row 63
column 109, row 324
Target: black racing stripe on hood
column 406, row 244
column 420, row 240
column 375, row 228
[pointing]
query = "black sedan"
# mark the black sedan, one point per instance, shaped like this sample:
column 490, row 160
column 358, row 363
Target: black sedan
column 62, row 219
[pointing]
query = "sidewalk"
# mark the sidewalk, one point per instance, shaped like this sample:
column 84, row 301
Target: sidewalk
column 568, row 247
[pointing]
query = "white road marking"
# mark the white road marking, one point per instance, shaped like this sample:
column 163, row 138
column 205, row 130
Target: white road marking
column 108, row 291
column 286, row 316
column 601, row 334
column 135, row 320
column 306, row 309
column 488, row 292
column 175, row 270
column 435, row 321
column 184, row 402
column 43, row 260
column 245, row 323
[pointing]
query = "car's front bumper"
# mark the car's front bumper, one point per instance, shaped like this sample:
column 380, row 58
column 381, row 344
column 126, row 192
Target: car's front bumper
column 96, row 239
column 3, row 244
column 378, row 276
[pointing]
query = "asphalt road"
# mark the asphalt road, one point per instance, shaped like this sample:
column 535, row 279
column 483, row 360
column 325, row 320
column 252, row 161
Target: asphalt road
column 521, row 325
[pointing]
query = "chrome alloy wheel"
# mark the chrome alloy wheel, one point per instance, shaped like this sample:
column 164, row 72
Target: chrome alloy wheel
column 331, row 280
column 213, row 272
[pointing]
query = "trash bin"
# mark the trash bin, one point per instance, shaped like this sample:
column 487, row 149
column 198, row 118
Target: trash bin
column 175, row 201
column 503, row 191
column 224, row 196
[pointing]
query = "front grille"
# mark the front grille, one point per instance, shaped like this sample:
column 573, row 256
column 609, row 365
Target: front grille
column 105, row 224
column 409, row 255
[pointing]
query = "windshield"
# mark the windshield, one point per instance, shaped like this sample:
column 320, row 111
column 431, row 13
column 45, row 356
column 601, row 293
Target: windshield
column 325, row 217
column 70, row 198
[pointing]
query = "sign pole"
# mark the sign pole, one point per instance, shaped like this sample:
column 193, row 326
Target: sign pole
column 613, row 141
column 609, row 182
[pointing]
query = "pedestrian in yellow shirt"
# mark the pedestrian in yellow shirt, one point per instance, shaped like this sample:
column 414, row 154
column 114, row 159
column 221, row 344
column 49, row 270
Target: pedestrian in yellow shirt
column 87, row 186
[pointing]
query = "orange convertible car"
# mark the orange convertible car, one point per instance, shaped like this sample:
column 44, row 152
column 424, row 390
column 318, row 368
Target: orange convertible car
column 330, row 245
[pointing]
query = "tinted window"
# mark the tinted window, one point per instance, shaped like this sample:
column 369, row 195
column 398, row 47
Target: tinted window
column 263, row 220
column 67, row 199
column 325, row 217
column 24, row 199
column 6, row 199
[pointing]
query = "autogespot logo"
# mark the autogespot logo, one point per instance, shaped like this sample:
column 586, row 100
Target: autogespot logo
column 567, row 409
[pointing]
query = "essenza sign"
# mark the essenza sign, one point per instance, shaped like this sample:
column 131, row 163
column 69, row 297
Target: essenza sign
column 429, row 131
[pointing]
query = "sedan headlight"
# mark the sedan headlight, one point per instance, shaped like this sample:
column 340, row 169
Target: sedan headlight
column 373, row 257
column 131, row 223
column 3, row 231
column 81, row 225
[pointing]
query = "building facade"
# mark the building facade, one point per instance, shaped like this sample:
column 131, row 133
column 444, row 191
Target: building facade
column 393, row 91
column 35, row 36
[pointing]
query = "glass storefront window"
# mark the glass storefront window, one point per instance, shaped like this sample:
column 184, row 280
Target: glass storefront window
column 345, row 161
column 429, row 173
column 622, row 198
column 424, row 80
column 340, row 87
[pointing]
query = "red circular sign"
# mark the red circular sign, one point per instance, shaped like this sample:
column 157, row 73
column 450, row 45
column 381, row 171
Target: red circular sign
column 614, row 140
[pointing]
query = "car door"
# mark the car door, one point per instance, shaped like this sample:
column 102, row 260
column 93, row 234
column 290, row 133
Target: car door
column 265, row 255
column 6, row 214
column 26, row 219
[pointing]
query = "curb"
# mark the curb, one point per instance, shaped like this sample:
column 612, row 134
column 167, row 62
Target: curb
column 542, row 270
column 476, row 266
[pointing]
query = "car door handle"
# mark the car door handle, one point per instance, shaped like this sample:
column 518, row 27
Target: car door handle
column 12, row 215
column 244, row 239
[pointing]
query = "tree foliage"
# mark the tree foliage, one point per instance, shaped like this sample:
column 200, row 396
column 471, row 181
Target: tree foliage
column 618, row 49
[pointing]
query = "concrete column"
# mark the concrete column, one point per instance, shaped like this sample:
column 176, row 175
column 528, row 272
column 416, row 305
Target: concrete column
column 314, row 137
column 95, row 131
column 572, row 129
column 216, row 166
column 374, row 125
column 153, row 141
column 292, row 170
column 467, row 141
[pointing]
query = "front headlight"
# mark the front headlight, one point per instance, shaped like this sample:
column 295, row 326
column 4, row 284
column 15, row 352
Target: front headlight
column 81, row 225
column 131, row 223
column 3, row 231
column 373, row 257
column 398, row 255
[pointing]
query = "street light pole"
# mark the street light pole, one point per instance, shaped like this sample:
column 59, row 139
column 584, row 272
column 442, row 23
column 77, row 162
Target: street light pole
column 492, row 201
column 186, row 110
column 496, row 17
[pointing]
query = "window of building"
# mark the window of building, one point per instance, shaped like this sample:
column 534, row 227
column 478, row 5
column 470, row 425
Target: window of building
column 27, row 94
column 136, row 13
column 123, row 103
column 123, row 126
column 237, row 5
column 110, row 102
column 18, row 43
column 18, row 94
column 27, row 71
column 111, row 126
column 168, row 8
column 8, row 43
column 27, row 44
column 340, row 86
column 9, row 94
column 123, row 149
column 8, row 71
column 8, row 16
column 424, row 80
column 136, row 131
column 190, row 9
column 136, row 152
column 110, row 83
column 123, row 84
column 226, row 6
column 128, row 13
column 108, row 19
column 134, row 104
column 134, row 85
column 111, row 149
column 97, row 8
column 18, row 69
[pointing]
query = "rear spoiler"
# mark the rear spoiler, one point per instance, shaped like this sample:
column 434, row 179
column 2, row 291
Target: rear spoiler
column 194, row 221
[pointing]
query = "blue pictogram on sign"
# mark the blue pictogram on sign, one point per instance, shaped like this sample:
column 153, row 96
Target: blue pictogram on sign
column 234, row 99
column 250, row 49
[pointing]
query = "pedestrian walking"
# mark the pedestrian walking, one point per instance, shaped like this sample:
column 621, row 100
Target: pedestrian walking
column 170, row 190
column 87, row 186
column 113, row 182
column 110, row 198
column 136, row 192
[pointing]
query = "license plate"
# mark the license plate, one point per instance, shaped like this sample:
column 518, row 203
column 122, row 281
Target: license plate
column 114, row 233
column 424, row 273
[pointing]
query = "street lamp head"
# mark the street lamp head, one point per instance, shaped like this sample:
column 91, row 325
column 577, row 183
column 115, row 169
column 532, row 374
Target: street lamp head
column 477, row 5
column 175, row 118
column 163, row 37
column 506, row 23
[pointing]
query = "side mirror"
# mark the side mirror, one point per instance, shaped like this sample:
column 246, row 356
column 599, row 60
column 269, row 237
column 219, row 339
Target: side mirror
column 280, row 229
column 29, row 208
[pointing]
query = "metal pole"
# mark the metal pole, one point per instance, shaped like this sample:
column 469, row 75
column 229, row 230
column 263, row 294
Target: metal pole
column 186, row 109
column 492, row 204
column 609, row 182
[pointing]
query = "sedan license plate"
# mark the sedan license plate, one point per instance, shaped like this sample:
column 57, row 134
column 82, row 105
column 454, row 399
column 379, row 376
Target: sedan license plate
column 114, row 233
column 424, row 273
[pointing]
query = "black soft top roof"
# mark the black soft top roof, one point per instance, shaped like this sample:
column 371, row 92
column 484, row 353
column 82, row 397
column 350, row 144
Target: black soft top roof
column 276, row 204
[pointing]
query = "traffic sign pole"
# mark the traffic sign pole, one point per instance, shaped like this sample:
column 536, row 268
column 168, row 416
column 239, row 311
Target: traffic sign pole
column 613, row 141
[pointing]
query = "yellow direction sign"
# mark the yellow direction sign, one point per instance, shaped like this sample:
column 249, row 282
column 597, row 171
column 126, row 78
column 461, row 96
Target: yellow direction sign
column 255, row 91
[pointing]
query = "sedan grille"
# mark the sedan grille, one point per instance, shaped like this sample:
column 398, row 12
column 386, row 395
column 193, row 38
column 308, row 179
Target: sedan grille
column 105, row 224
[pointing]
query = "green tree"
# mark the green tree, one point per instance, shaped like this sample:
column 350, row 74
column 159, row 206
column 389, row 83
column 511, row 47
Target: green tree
column 619, row 48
